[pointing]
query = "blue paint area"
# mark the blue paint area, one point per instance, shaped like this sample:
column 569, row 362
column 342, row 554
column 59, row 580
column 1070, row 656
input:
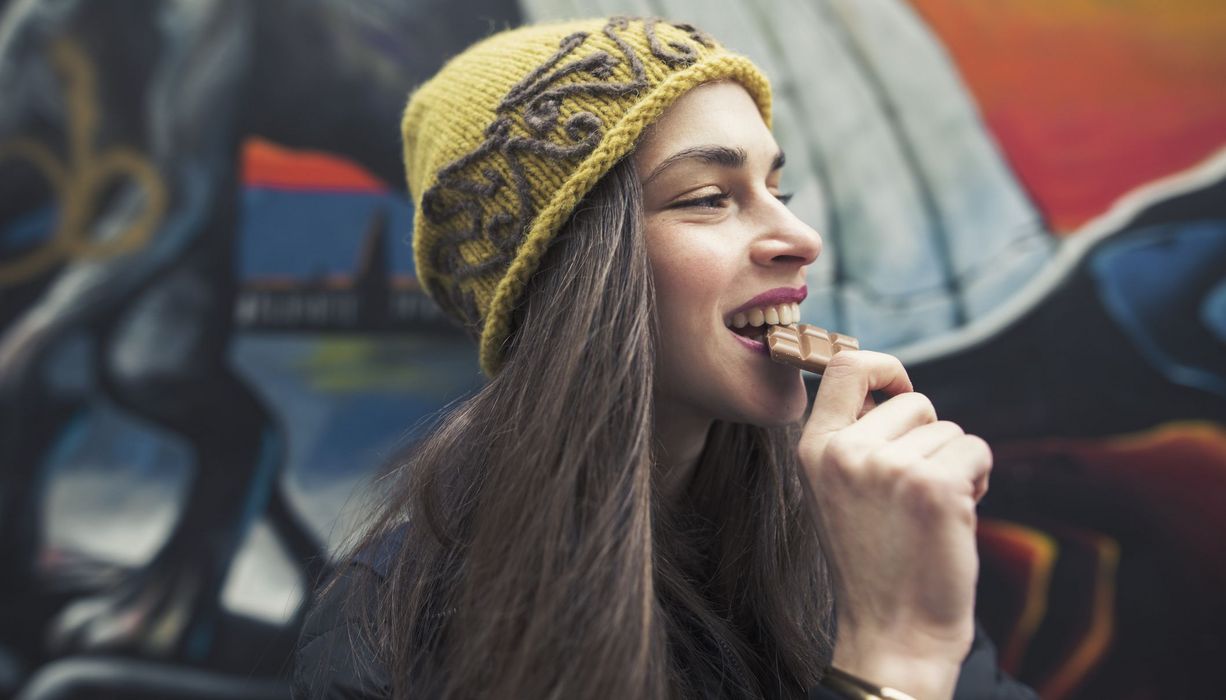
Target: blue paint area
column 28, row 230
column 349, row 403
column 365, row 431
column 119, row 479
column 1213, row 312
column 271, row 456
column 1163, row 284
column 72, row 436
column 303, row 234
column 114, row 483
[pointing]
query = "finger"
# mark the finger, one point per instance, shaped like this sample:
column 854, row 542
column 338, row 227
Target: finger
column 965, row 459
column 928, row 438
column 981, row 486
column 895, row 418
column 870, row 402
column 848, row 379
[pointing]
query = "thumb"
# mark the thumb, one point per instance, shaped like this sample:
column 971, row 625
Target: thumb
column 844, row 393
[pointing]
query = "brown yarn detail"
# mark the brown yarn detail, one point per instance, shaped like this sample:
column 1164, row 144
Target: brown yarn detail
column 454, row 202
column 697, row 35
column 686, row 53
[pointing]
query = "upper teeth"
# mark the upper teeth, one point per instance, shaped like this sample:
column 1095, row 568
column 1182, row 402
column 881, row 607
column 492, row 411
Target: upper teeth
column 778, row 314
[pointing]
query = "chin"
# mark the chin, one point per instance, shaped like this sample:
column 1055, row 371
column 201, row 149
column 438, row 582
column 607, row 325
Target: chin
column 777, row 409
column 777, row 419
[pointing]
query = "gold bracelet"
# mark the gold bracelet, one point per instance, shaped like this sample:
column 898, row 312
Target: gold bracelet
column 855, row 688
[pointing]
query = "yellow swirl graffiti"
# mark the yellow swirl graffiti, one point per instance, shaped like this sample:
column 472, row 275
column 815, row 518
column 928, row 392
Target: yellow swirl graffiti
column 80, row 184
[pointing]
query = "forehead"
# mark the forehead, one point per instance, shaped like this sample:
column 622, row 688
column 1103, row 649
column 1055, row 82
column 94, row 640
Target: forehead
column 721, row 113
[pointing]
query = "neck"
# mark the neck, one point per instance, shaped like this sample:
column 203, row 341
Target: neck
column 680, row 438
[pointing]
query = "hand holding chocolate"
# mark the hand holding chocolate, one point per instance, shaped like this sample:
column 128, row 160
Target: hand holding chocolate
column 807, row 347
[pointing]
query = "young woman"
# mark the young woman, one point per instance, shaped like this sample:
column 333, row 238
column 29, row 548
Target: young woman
column 638, row 504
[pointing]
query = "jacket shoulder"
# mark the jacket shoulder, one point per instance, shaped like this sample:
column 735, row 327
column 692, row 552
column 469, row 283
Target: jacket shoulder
column 982, row 676
column 335, row 656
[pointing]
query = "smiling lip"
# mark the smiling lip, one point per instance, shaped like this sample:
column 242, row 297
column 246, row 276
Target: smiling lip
column 781, row 295
column 754, row 345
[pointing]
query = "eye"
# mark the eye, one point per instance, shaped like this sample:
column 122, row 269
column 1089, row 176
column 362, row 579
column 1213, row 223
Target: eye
column 711, row 202
column 714, row 200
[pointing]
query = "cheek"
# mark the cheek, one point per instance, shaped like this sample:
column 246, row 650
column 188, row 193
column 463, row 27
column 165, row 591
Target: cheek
column 687, row 292
column 689, row 285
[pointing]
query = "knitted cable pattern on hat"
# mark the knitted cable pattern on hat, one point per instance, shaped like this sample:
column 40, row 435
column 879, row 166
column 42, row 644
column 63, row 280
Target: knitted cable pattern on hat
column 502, row 144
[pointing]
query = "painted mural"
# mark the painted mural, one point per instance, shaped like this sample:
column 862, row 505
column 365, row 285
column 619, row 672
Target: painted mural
column 212, row 338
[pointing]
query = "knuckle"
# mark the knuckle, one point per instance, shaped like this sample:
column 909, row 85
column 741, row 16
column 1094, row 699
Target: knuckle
column 890, row 462
column 922, row 405
column 844, row 451
column 951, row 427
column 883, row 357
column 966, row 513
column 980, row 447
column 896, row 365
column 923, row 492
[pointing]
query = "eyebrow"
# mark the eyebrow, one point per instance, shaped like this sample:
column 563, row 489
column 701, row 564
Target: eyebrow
column 717, row 155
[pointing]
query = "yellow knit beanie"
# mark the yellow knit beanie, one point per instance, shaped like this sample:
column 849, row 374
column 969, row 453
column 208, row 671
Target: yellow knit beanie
column 503, row 143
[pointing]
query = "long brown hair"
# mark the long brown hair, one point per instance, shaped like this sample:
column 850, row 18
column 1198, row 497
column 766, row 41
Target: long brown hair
column 538, row 560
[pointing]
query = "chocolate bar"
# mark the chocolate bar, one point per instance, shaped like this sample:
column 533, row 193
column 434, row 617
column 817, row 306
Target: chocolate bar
column 805, row 346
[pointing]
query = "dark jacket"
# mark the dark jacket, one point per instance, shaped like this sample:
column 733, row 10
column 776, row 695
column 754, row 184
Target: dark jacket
column 333, row 661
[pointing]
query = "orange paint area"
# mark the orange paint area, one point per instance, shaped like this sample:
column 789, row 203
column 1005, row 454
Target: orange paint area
column 1052, row 582
column 1019, row 561
column 1091, row 98
column 1174, row 475
column 1025, row 556
column 266, row 164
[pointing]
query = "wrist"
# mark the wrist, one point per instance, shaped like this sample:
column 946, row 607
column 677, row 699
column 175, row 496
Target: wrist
column 922, row 678
column 850, row 687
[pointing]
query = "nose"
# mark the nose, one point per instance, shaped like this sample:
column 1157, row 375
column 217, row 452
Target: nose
column 784, row 238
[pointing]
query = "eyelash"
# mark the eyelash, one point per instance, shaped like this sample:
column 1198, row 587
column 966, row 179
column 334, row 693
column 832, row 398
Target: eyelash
column 713, row 200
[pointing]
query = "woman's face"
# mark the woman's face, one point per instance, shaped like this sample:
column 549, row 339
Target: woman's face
column 721, row 244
